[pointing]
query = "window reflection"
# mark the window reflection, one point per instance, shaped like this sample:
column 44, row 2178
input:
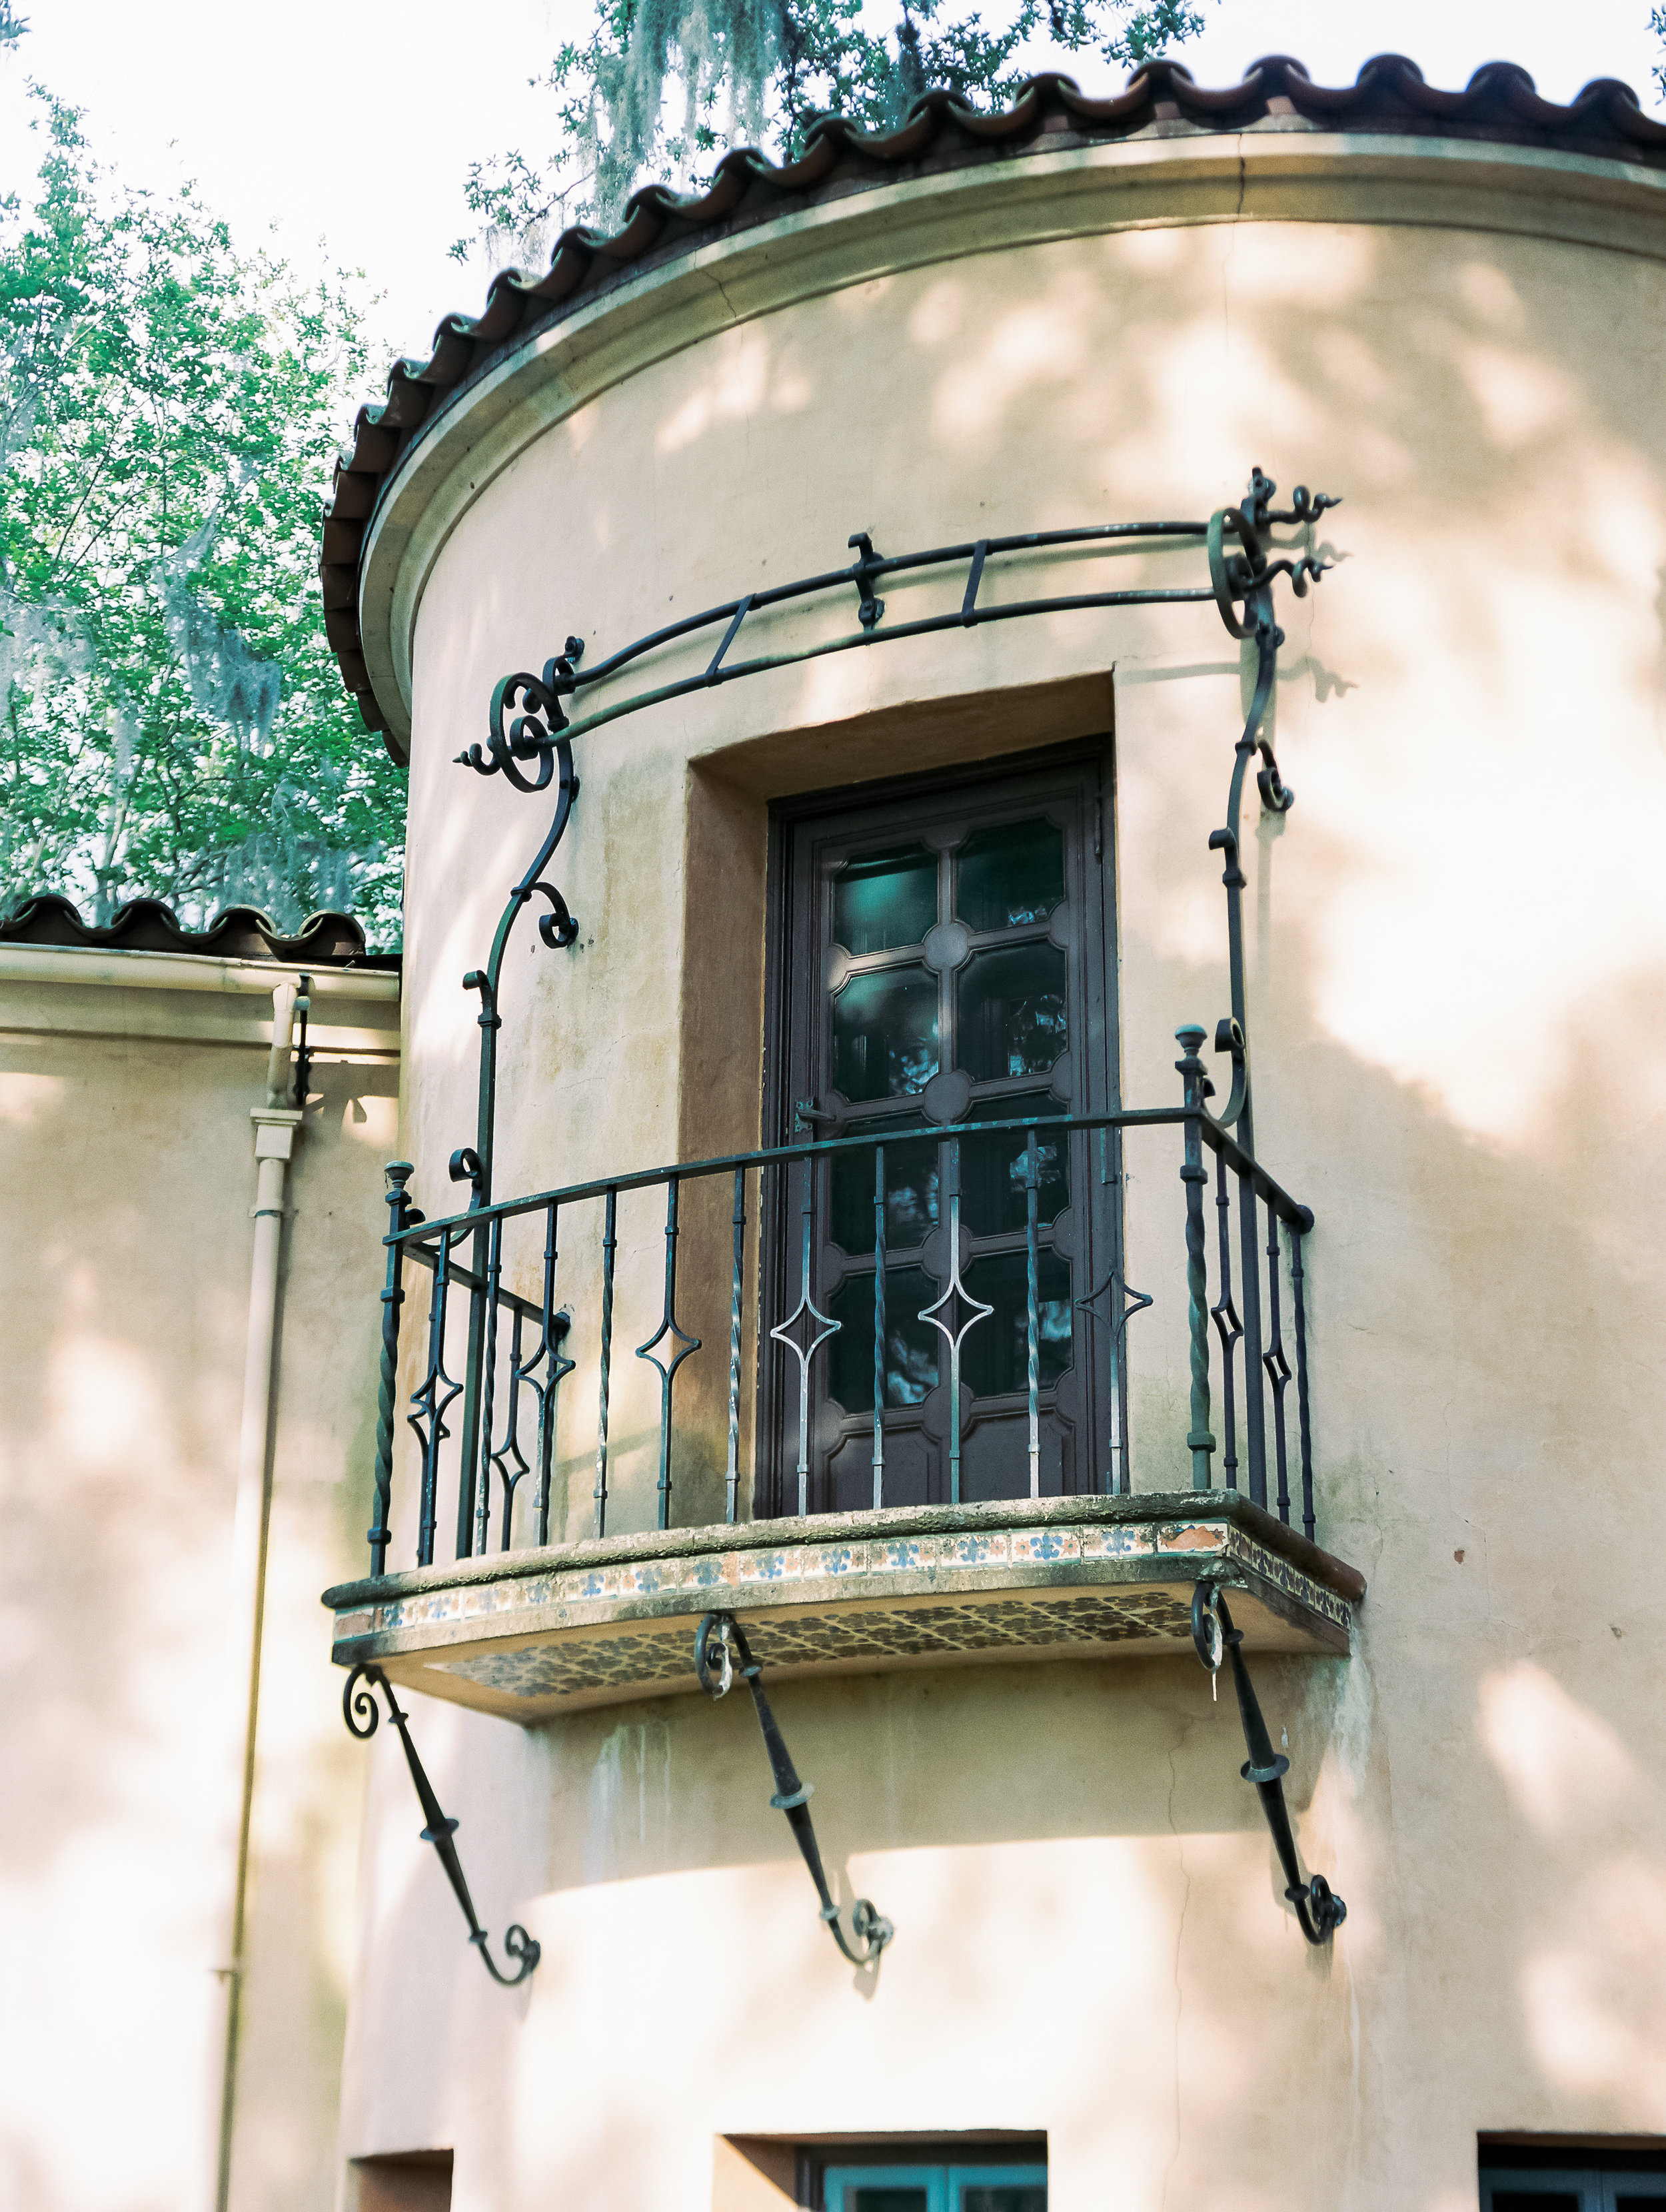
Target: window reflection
column 910, row 1343
column 1010, row 1012
column 995, row 1357
column 1011, row 875
column 911, row 1180
column 992, row 1168
column 884, row 900
column 884, row 1034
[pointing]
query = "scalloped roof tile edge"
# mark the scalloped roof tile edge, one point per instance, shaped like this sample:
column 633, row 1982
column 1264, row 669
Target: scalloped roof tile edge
column 1499, row 103
column 149, row 925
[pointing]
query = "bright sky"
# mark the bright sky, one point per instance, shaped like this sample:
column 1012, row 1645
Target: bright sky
column 346, row 127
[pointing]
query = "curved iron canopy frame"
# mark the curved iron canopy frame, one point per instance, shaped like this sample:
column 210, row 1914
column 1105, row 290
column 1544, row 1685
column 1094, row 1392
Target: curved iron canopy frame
column 529, row 729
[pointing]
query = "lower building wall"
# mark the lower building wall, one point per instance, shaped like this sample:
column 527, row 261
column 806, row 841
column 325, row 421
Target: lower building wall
column 127, row 1179
column 1092, row 1942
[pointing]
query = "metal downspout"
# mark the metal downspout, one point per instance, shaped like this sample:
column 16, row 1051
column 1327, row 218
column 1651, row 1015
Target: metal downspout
column 275, row 1126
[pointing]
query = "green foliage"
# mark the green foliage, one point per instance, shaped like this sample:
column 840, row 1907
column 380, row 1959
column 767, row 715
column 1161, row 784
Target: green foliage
column 759, row 72
column 172, row 721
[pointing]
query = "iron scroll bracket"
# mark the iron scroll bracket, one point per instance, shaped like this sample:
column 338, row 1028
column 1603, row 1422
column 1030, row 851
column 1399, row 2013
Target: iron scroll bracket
column 718, row 1642
column 359, row 1711
column 1318, row 1908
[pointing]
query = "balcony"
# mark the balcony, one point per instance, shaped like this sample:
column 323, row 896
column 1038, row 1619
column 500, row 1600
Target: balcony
column 601, row 1354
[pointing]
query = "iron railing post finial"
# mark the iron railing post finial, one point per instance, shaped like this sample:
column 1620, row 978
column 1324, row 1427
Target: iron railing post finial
column 398, row 1174
column 1201, row 1441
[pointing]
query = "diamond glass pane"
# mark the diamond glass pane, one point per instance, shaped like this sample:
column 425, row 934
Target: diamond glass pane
column 1010, row 1012
column 884, row 900
column 1011, row 875
column 884, row 1034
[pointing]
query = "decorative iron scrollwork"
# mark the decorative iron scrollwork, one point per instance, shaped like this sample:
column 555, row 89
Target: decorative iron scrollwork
column 360, row 1712
column 719, row 1641
column 1318, row 1908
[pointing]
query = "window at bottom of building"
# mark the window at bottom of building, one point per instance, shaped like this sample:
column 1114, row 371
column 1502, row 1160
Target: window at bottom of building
column 906, row 2188
column 1516, row 2178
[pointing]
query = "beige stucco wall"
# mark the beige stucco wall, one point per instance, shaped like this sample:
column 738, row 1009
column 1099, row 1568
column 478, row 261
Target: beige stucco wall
column 1456, row 958
column 126, row 1163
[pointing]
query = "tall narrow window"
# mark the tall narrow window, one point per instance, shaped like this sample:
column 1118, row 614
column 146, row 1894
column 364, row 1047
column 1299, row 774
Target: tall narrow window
column 942, row 961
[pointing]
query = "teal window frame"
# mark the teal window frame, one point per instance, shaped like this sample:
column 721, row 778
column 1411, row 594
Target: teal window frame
column 1598, row 2190
column 945, row 2185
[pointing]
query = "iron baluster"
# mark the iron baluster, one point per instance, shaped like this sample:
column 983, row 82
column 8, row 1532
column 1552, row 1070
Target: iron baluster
column 1255, row 1403
column 1224, row 1315
column 1200, row 1442
column 398, row 1174
column 432, row 1399
column 1122, row 1304
column 976, row 1311
column 1032, row 1309
column 879, row 1345
column 718, row 1642
column 669, row 1326
column 1277, row 1366
column 1318, row 1908
column 609, row 1247
column 731, row 1478
column 807, row 1311
column 487, row 1386
column 508, row 1458
column 358, row 1708
column 556, row 1364
column 1297, row 1241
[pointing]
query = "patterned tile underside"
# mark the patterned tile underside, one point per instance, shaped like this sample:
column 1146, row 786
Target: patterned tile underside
column 641, row 1658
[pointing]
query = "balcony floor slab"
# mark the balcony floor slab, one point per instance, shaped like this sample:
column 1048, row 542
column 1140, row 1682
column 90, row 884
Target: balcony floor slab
column 531, row 1634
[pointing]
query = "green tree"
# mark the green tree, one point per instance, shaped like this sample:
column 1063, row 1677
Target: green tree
column 759, row 72
column 171, row 719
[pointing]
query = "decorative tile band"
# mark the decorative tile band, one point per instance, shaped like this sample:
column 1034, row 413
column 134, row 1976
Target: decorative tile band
column 644, row 1661
column 624, row 1626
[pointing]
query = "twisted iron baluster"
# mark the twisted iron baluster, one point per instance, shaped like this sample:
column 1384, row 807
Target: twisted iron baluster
column 487, row 1333
column 976, row 1311
column 731, row 1478
column 1318, row 1908
column 718, row 1641
column 1224, row 1315
column 432, row 1399
column 806, row 1311
column 1032, row 1309
column 610, row 1246
column 878, row 1327
column 1199, row 1442
column 669, row 1326
column 398, row 1174
column 1297, row 1241
column 556, row 1328
column 1277, row 1366
column 1255, row 1402
column 358, row 1709
column 1122, row 1304
column 508, row 1458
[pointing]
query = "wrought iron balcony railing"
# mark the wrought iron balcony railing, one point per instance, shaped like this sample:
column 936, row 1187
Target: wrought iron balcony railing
column 488, row 1410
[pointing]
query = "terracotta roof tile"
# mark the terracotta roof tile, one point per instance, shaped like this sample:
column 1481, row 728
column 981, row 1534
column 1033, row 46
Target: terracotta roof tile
column 1498, row 104
column 241, row 932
